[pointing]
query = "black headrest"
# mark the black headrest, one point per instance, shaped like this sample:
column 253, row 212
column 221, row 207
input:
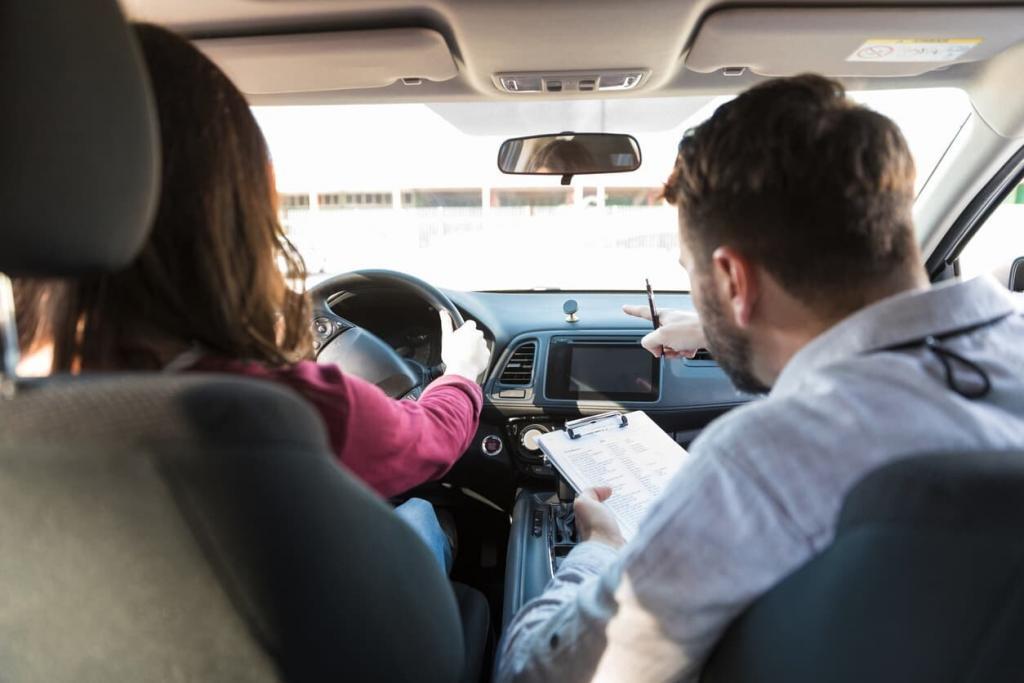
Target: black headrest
column 963, row 491
column 79, row 145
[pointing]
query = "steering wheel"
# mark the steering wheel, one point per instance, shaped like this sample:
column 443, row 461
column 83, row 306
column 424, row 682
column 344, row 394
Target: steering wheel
column 357, row 350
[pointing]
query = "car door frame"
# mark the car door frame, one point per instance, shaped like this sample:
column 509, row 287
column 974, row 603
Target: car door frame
column 943, row 263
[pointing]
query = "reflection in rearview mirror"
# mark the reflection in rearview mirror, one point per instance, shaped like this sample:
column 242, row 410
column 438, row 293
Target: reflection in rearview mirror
column 569, row 154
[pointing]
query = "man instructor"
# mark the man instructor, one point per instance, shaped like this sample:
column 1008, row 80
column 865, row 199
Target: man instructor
column 795, row 226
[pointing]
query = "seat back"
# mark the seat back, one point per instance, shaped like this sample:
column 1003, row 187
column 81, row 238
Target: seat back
column 924, row 582
column 197, row 528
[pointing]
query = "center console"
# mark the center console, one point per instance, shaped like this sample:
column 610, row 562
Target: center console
column 566, row 375
column 546, row 377
column 543, row 532
column 588, row 372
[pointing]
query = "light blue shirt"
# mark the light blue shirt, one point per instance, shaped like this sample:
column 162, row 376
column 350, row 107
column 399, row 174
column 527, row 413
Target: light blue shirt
column 762, row 491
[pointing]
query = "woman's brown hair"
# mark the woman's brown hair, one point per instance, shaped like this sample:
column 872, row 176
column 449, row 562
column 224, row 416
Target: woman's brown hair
column 215, row 271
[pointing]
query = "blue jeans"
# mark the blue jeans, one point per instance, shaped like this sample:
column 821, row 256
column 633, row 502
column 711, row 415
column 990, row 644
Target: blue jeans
column 420, row 515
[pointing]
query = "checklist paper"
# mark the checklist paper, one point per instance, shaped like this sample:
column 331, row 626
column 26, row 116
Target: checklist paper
column 636, row 461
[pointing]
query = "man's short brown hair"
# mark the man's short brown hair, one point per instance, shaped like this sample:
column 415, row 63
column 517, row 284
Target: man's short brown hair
column 813, row 187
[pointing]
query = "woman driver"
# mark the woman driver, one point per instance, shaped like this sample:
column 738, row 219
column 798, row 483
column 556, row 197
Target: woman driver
column 207, row 292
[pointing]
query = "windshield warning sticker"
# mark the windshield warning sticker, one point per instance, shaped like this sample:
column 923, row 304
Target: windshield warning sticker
column 913, row 49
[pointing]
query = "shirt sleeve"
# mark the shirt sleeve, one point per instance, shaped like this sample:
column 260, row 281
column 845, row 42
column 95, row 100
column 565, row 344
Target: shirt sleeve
column 652, row 612
column 392, row 445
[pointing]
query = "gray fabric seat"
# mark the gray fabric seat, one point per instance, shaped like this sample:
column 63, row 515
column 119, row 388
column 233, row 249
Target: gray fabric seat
column 171, row 528
column 924, row 583
column 196, row 528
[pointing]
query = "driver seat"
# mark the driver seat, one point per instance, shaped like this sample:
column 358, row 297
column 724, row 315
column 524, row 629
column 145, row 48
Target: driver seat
column 157, row 527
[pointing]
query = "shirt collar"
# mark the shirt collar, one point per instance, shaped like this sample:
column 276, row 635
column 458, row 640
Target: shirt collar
column 899, row 319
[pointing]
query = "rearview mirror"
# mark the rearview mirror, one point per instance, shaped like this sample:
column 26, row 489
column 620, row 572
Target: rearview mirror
column 569, row 154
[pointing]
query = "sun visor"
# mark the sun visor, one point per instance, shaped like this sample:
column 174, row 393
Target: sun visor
column 853, row 42
column 342, row 60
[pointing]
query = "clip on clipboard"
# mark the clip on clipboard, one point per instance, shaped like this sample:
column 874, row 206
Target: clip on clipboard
column 629, row 452
column 598, row 423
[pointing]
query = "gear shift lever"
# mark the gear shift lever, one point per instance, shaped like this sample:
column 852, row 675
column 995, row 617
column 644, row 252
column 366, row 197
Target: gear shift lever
column 564, row 514
column 565, row 493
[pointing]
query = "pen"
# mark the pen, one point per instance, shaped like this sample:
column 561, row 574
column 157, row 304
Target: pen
column 650, row 302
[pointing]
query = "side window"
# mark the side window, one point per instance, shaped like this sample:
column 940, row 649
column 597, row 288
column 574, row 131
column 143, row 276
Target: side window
column 999, row 240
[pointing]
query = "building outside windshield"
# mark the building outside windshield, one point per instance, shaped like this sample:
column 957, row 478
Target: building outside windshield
column 416, row 188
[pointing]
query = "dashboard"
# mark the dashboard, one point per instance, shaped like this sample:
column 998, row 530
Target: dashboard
column 546, row 369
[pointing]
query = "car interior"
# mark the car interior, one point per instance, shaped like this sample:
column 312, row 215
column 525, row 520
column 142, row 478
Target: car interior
column 159, row 527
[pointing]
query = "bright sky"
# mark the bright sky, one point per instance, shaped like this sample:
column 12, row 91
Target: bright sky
column 381, row 148
column 373, row 147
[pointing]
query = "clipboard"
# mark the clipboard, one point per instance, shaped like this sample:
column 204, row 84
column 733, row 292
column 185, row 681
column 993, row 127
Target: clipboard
column 588, row 425
column 628, row 452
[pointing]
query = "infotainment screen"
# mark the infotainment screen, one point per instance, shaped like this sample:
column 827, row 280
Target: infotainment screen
column 584, row 369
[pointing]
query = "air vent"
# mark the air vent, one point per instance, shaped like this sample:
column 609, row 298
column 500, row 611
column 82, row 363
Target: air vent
column 702, row 354
column 519, row 368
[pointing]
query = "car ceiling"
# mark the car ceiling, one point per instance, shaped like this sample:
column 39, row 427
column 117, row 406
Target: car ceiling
column 487, row 37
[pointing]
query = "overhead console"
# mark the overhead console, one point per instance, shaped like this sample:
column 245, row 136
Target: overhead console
column 851, row 41
column 571, row 81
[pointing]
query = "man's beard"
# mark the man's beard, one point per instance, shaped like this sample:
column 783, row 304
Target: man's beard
column 730, row 346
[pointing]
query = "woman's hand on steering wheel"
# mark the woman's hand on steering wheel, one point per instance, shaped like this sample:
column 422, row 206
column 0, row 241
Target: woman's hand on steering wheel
column 463, row 351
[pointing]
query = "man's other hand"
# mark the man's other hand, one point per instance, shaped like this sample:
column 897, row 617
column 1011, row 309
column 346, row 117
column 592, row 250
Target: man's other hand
column 594, row 521
column 679, row 336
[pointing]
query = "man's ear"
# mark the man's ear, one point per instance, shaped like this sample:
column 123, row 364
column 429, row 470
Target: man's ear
column 736, row 281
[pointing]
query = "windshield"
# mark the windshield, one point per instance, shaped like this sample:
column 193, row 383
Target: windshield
column 416, row 188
